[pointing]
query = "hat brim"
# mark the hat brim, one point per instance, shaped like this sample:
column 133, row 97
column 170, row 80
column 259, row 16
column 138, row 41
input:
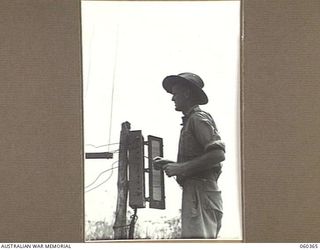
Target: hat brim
column 169, row 81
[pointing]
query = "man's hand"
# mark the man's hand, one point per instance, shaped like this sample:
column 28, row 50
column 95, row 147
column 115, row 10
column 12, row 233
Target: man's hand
column 159, row 163
column 173, row 169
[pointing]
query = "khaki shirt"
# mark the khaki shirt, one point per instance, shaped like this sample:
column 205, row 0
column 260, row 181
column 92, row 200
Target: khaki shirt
column 201, row 198
column 198, row 135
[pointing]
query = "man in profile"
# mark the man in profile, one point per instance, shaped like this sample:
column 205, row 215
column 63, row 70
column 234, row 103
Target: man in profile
column 200, row 154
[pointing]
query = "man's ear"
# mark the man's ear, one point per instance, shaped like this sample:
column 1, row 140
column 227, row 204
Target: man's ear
column 187, row 92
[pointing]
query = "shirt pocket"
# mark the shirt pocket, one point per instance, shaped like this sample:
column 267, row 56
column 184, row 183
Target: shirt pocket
column 189, row 147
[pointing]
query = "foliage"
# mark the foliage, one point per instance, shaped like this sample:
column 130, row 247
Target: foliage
column 165, row 228
column 98, row 230
column 162, row 229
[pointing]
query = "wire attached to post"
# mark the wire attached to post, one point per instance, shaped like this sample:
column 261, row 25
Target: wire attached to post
column 101, row 173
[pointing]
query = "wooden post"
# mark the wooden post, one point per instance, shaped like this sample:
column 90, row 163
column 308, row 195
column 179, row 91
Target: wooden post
column 120, row 224
column 132, row 224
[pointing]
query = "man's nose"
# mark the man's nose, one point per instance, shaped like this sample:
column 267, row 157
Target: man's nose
column 172, row 99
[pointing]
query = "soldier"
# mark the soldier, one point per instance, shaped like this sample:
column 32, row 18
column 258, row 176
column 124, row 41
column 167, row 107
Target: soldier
column 200, row 154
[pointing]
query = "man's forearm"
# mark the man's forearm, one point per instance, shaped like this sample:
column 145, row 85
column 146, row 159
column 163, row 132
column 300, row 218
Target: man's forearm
column 206, row 161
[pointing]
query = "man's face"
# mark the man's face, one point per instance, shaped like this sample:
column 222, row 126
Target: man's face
column 180, row 95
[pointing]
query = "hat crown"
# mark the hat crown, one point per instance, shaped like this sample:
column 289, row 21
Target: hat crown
column 195, row 79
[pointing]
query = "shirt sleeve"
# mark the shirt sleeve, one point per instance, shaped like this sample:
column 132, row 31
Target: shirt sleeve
column 206, row 132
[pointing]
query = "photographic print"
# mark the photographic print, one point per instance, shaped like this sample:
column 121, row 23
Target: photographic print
column 162, row 120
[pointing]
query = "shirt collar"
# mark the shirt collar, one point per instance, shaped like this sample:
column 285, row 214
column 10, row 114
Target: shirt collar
column 188, row 114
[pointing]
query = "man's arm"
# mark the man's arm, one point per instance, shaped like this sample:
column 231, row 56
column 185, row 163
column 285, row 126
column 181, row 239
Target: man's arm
column 206, row 161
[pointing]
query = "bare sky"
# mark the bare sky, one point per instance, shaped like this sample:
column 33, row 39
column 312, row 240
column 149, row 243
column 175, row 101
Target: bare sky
column 128, row 48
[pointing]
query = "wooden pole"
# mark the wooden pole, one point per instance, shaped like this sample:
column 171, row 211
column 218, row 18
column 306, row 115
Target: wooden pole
column 120, row 224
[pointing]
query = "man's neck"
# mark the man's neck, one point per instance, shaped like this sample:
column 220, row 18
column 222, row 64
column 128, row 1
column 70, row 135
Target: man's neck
column 188, row 108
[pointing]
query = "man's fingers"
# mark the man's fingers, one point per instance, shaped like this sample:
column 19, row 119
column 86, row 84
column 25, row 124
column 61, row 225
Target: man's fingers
column 157, row 158
column 161, row 160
